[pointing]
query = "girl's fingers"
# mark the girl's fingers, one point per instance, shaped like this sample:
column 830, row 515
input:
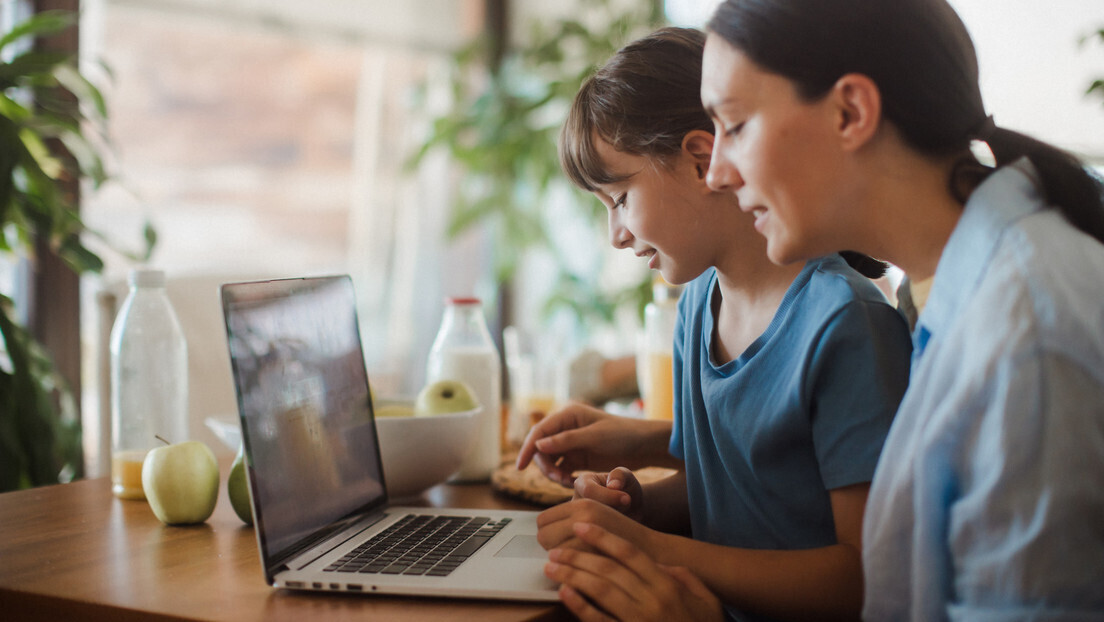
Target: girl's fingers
column 581, row 607
column 655, row 588
column 593, row 585
column 594, row 486
column 554, row 469
column 621, row 579
column 619, row 549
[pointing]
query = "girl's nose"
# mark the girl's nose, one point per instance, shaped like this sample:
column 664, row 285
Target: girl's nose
column 620, row 236
column 722, row 175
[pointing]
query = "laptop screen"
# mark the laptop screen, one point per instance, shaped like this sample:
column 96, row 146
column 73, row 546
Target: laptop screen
column 305, row 410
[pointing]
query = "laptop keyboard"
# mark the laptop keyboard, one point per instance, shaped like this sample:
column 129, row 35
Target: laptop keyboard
column 418, row 544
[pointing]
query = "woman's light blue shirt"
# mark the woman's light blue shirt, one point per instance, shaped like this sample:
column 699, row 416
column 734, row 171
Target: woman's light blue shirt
column 988, row 500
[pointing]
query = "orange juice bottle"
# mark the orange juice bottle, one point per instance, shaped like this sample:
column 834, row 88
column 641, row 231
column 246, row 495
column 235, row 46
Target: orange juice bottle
column 660, row 401
column 655, row 361
column 126, row 474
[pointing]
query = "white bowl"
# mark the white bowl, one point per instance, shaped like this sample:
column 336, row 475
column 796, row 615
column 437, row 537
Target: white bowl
column 421, row 452
column 227, row 430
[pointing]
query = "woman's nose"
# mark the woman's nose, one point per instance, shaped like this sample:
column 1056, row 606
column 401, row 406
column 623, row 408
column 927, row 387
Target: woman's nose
column 722, row 175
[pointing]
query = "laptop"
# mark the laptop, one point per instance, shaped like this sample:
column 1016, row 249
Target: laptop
column 319, row 492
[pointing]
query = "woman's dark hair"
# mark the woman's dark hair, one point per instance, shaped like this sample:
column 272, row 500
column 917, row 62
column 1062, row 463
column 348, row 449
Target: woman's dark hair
column 643, row 101
column 921, row 57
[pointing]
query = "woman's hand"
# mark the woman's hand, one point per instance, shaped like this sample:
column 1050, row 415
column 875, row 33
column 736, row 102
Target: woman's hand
column 620, row 582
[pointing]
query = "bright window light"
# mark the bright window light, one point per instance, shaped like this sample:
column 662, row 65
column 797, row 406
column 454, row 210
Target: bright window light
column 689, row 12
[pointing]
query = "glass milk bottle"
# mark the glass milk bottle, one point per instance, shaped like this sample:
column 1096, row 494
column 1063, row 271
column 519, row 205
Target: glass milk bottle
column 464, row 350
column 655, row 359
column 149, row 380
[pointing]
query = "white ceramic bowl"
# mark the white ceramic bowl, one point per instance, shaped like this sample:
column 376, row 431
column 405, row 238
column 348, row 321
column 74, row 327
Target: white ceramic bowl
column 421, row 452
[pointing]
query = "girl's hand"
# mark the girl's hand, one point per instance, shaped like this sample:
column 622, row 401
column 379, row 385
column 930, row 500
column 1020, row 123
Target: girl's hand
column 620, row 582
column 583, row 438
column 619, row 489
column 577, row 437
column 556, row 525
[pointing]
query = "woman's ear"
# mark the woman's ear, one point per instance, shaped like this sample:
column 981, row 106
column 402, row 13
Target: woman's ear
column 698, row 144
column 858, row 109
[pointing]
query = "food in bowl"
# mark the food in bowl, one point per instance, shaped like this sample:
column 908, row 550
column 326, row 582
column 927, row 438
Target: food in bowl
column 444, row 396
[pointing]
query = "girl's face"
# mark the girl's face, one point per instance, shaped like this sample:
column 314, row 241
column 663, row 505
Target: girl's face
column 658, row 211
column 773, row 150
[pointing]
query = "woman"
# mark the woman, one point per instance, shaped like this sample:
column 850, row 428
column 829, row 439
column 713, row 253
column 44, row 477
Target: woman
column 786, row 377
column 848, row 124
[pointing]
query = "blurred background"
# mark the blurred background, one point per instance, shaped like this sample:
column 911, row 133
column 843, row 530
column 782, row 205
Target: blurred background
column 411, row 145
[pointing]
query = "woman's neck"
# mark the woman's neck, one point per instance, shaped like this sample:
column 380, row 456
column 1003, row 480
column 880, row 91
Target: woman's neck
column 908, row 212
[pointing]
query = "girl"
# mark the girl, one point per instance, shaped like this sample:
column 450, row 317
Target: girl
column 848, row 124
column 786, row 377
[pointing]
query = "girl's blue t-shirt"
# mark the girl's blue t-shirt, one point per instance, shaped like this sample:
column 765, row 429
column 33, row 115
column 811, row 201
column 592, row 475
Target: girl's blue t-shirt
column 804, row 410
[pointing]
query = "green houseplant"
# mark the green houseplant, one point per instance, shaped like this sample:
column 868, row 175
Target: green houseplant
column 48, row 113
column 501, row 130
column 1097, row 85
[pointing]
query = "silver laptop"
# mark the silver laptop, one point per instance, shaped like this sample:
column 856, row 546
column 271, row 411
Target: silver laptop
column 319, row 491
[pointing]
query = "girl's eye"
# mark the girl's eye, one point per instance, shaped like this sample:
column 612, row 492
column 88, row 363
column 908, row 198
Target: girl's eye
column 734, row 130
column 620, row 201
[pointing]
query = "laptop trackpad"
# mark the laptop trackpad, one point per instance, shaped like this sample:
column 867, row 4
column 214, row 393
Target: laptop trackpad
column 522, row 546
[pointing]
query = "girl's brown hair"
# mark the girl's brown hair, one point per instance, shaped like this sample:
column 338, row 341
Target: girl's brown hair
column 642, row 102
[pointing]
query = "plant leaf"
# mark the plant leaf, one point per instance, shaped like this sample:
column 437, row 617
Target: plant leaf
column 39, row 24
column 31, row 68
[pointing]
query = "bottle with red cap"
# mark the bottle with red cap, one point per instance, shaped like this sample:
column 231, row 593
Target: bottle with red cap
column 464, row 350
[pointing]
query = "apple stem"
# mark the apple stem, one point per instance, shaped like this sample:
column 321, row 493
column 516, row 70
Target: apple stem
column 158, row 437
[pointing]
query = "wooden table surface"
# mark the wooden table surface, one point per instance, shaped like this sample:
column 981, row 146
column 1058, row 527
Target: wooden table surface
column 74, row 551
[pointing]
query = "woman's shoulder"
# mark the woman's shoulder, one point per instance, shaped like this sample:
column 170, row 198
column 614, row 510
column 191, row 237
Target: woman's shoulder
column 1046, row 278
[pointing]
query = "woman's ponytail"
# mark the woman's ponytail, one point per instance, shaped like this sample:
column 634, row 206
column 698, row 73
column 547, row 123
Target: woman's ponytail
column 1069, row 186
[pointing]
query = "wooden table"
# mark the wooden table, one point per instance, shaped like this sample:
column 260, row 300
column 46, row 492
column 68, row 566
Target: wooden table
column 74, row 551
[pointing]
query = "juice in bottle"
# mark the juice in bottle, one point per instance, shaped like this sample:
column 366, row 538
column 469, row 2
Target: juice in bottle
column 659, row 403
column 126, row 473
column 655, row 359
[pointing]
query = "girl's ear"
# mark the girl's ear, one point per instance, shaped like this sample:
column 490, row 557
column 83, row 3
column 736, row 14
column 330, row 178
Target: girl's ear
column 858, row 109
column 698, row 144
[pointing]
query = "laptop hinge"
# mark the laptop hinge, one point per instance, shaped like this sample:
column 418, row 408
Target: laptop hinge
column 312, row 554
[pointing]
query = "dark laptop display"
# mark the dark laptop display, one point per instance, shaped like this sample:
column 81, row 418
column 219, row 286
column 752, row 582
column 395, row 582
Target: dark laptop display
column 320, row 503
column 295, row 349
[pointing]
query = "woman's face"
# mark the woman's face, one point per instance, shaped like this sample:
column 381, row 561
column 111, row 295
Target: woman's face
column 657, row 211
column 774, row 151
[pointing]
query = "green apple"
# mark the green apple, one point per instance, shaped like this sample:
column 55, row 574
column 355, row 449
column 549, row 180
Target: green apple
column 444, row 396
column 237, row 488
column 395, row 410
column 181, row 482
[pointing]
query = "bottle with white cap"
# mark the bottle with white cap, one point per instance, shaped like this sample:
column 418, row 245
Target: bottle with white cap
column 464, row 350
column 149, row 379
